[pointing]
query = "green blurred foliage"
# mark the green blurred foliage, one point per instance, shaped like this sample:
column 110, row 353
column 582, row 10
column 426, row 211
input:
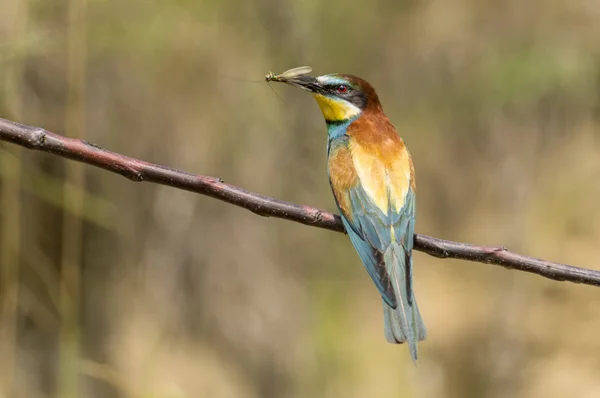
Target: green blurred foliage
column 183, row 296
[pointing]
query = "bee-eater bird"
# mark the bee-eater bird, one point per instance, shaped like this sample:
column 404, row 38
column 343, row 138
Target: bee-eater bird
column 373, row 181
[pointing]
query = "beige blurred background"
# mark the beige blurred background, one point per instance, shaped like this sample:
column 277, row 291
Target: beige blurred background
column 117, row 289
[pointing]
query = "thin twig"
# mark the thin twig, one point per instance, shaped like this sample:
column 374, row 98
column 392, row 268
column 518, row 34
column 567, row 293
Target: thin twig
column 138, row 170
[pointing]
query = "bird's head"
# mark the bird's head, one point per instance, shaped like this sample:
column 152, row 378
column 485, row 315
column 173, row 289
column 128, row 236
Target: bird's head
column 340, row 97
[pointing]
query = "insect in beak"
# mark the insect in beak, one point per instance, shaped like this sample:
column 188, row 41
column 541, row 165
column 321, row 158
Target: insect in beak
column 288, row 74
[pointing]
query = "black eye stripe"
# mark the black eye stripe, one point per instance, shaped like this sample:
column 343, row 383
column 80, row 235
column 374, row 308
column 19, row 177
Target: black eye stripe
column 352, row 94
column 336, row 88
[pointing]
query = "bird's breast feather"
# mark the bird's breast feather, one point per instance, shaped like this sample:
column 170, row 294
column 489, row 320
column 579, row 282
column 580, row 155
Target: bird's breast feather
column 342, row 176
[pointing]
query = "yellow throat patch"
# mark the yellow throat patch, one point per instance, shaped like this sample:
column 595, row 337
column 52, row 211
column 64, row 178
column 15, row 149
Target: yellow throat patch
column 336, row 109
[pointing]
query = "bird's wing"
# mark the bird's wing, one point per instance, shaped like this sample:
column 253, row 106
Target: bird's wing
column 378, row 209
column 373, row 231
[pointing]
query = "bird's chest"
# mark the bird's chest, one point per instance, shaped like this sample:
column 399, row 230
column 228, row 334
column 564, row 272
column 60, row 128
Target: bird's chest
column 340, row 165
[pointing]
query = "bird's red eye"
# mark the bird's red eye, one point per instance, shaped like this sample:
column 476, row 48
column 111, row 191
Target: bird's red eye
column 342, row 88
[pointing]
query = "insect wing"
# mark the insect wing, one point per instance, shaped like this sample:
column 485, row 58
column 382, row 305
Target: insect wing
column 301, row 70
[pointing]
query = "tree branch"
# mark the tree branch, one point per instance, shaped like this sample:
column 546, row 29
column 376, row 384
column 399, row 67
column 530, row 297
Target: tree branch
column 138, row 170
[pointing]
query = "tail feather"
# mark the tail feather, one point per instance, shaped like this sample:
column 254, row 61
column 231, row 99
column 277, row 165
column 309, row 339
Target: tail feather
column 403, row 323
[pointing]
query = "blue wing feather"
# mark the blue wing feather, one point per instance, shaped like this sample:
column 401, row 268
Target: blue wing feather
column 371, row 262
column 388, row 262
column 368, row 219
column 373, row 230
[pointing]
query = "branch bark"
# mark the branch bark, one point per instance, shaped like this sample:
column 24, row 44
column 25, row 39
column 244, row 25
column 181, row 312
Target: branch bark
column 36, row 138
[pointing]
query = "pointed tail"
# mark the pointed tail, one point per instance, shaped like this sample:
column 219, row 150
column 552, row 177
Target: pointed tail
column 403, row 323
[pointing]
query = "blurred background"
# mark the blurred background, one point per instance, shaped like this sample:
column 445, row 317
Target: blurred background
column 117, row 289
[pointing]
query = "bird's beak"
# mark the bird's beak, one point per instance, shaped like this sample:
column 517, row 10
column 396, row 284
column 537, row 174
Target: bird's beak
column 304, row 82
